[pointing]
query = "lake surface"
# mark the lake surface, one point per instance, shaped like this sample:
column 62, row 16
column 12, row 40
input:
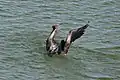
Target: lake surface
column 25, row 25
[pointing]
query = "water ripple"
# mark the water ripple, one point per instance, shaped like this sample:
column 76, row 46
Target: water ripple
column 25, row 25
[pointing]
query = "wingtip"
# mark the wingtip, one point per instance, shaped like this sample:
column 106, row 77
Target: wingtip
column 84, row 27
column 88, row 21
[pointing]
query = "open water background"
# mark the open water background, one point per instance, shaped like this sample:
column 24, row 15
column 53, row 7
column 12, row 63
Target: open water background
column 25, row 25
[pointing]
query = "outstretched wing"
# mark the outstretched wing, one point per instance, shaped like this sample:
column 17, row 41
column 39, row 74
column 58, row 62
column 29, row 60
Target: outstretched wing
column 77, row 33
column 73, row 35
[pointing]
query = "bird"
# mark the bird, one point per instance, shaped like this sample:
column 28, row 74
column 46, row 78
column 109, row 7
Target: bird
column 53, row 47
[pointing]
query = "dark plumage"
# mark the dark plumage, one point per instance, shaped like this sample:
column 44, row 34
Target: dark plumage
column 77, row 33
column 52, row 47
column 51, row 44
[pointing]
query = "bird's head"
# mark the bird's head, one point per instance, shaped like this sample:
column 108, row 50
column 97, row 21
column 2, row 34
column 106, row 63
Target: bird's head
column 55, row 26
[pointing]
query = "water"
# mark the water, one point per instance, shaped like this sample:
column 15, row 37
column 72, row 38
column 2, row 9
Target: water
column 25, row 25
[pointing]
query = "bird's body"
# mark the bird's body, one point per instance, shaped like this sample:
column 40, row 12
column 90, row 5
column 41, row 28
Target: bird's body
column 53, row 47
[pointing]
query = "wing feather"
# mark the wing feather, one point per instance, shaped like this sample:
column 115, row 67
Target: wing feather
column 77, row 33
column 73, row 35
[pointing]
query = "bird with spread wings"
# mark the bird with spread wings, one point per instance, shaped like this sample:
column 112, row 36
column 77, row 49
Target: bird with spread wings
column 53, row 47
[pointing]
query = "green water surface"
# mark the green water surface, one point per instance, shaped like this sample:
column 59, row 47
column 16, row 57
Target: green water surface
column 25, row 25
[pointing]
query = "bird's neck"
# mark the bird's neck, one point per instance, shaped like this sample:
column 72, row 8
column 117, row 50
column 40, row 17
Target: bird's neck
column 52, row 35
